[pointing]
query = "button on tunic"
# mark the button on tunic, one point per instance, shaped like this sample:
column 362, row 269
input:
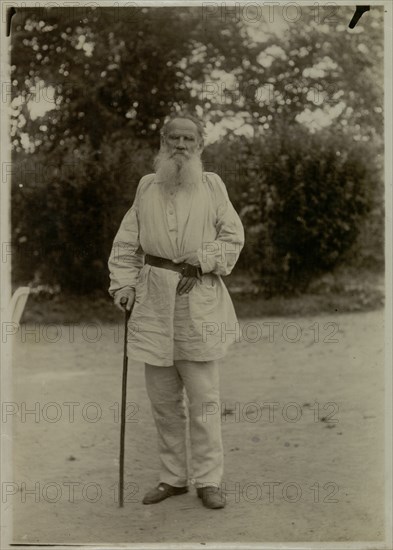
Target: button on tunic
column 165, row 326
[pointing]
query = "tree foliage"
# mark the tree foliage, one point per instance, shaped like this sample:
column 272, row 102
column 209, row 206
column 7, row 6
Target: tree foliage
column 109, row 76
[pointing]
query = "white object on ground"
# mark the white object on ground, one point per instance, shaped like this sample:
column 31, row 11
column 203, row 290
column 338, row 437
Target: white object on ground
column 17, row 304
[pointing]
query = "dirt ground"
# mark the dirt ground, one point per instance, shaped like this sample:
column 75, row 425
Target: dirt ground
column 302, row 423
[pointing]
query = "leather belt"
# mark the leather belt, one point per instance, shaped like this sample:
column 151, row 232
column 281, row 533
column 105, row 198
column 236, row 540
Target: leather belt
column 187, row 270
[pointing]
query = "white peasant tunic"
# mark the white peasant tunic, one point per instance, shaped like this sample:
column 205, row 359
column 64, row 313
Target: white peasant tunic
column 165, row 326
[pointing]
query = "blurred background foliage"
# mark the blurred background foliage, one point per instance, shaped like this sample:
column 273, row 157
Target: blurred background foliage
column 294, row 113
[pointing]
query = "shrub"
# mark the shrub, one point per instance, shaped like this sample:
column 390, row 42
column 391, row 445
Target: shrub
column 64, row 223
column 303, row 198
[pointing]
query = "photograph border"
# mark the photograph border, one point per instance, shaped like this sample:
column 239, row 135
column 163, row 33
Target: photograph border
column 6, row 314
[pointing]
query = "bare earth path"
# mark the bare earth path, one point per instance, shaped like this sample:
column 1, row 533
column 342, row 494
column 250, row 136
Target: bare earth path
column 292, row 473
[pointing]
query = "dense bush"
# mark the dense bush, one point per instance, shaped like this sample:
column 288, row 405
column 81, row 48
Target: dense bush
column 303, row 198
column 66, row 215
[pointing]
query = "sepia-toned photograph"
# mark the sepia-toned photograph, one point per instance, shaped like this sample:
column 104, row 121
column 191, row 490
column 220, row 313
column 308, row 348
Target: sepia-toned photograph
column 196, row 275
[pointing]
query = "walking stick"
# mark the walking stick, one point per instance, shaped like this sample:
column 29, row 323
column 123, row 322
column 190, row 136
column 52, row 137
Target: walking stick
column 127, row 314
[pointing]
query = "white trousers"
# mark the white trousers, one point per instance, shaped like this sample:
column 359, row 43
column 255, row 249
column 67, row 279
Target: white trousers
column 165, row 387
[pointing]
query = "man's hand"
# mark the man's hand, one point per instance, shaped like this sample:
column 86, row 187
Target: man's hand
column 124, row 298
column 186, row 284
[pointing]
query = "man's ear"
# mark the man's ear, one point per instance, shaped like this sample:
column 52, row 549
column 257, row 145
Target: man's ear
column 201, row 145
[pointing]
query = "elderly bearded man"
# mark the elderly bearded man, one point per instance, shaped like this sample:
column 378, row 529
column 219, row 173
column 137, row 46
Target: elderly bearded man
column 180, row 236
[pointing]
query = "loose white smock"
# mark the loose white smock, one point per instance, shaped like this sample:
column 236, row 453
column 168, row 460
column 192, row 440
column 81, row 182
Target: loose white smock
column 165, row 326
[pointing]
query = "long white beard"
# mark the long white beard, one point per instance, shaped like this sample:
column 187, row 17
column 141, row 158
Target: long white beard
column 174, row 171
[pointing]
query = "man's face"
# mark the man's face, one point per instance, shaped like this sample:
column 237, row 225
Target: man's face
column 182, row 139
column 179, row 159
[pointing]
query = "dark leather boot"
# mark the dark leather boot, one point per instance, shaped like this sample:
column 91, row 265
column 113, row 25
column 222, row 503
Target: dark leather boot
column 161, row 492
column 212, row 497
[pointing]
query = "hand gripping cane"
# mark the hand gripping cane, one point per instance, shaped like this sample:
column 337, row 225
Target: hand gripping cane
column 127, row 314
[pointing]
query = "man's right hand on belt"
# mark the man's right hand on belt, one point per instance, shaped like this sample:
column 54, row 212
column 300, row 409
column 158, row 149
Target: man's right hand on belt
column 124, row 298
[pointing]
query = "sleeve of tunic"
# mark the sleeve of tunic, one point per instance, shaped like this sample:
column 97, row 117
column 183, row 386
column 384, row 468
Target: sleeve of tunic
column 221, row 255
column 127, row 257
